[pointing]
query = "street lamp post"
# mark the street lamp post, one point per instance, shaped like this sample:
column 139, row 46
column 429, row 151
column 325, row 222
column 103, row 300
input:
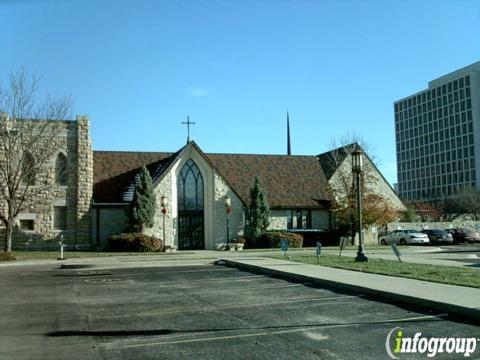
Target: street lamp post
column 164, row 203
column 228, row 209
column 357, row 168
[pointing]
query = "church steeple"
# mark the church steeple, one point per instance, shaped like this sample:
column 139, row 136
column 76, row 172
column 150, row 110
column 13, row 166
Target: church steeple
column 289, row 147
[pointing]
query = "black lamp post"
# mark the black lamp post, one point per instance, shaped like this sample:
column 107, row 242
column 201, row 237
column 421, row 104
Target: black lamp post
column 164, row 203
column 357, row 168
column 228, row 209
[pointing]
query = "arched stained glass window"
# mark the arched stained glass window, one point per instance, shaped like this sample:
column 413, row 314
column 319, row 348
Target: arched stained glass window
column 61, row 169
column 190, row 188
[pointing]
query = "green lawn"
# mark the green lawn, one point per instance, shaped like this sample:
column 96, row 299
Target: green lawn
column 435, row 273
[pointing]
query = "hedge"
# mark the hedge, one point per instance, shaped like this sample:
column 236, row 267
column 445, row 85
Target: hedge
column 134, row 242
column 271, row 239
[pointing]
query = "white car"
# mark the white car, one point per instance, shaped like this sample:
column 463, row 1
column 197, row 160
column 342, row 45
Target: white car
column 404, row 237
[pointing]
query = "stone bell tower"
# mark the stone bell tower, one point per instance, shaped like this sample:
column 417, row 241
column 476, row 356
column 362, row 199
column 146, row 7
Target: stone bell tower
column 84, row 176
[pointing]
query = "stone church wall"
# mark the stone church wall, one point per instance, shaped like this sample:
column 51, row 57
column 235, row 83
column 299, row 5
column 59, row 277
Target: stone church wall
column 164, row 188
column 84, row 182
column 278, row 220
column 73, row 141
column 376, row 184
column 236, row 216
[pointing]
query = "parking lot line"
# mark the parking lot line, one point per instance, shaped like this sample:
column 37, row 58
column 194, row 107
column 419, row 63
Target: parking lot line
column 300, row 329
column 212, row 307
column 252, row 288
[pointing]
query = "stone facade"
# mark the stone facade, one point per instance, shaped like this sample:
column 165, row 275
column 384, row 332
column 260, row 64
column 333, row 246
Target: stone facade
column 215, row 190
column 236, row 218
column 84, row 181
column 164, row 188
column 375, row 183
column 278, row 219
column 72, row 141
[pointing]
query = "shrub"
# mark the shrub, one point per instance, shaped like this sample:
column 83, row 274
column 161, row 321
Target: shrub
column 134, row 242
column 257, row 214
column 7, row 256
column 143, row 205
column 271, row 239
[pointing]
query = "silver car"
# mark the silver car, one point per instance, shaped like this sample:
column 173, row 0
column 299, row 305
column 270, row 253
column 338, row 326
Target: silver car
column 404, row 237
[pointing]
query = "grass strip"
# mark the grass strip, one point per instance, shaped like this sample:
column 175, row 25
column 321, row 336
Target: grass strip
column 435, row 273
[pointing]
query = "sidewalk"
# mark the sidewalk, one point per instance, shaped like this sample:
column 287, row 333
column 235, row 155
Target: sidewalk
column 460, row 300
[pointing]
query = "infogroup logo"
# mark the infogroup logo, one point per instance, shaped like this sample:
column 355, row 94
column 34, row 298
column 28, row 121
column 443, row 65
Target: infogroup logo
column 397, row 343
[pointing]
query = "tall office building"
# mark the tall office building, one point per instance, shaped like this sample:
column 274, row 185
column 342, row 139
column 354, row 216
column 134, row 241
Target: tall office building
column 437, row 134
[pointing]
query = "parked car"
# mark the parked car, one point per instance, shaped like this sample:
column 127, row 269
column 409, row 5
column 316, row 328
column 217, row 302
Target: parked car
column 464, row 235
column 404, row 237
column 437, row 236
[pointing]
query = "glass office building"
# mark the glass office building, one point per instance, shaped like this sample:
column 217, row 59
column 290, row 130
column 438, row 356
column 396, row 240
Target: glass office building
column 437, row 134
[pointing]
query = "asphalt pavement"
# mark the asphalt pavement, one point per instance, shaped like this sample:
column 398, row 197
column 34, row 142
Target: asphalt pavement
column 197, row 312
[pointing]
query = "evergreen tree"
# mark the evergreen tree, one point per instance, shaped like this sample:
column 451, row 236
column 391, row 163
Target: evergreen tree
column 143, row 206
column 257, row 213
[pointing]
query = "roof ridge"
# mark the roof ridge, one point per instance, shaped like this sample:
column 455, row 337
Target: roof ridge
column 134, row 152
column 277, row 155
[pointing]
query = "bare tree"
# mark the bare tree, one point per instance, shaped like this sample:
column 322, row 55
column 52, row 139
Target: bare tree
column 352, row 139
column 465, row 202
column 27, row 143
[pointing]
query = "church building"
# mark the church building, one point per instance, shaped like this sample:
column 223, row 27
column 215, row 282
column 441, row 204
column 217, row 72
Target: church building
column 190, row 184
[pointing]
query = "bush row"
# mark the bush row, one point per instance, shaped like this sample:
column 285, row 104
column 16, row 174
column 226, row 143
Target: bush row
column 137, row 242
column 271, row 239
column 134, row 242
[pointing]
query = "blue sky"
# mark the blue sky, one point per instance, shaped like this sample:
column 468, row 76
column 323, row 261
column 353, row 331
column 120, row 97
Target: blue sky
column 138, row 68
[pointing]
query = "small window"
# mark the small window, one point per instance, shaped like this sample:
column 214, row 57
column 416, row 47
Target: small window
column 61, row 170
column 60, row 218
column 26, row 225
column 28, row 169
column 289, row 219
column 299, row 219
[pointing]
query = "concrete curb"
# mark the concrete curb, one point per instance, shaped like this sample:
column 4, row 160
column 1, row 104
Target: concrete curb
column 465, row 312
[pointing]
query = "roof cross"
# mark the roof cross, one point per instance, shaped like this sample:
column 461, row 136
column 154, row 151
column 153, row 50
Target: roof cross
column 188, row 123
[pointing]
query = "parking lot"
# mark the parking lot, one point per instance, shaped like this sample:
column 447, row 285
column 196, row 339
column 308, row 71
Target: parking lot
column 196, row 312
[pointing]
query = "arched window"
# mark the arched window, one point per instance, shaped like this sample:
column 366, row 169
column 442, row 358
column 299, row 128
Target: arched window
column 61, row 169
column 28, row 169
column 190, row 188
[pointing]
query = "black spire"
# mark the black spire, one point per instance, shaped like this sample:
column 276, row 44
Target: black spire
column 289, row 147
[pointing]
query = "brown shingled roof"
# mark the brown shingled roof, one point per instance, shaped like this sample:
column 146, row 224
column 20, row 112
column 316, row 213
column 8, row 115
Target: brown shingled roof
column 289, row 181
column 113, row 171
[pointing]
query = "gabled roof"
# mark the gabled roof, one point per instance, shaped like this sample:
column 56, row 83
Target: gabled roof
column 113, row 172
column 330, row 160
column 156, row 169
column 289, row 181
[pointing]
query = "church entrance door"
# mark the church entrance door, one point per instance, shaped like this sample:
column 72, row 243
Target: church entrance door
column 191, row 234
column 190, row 231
